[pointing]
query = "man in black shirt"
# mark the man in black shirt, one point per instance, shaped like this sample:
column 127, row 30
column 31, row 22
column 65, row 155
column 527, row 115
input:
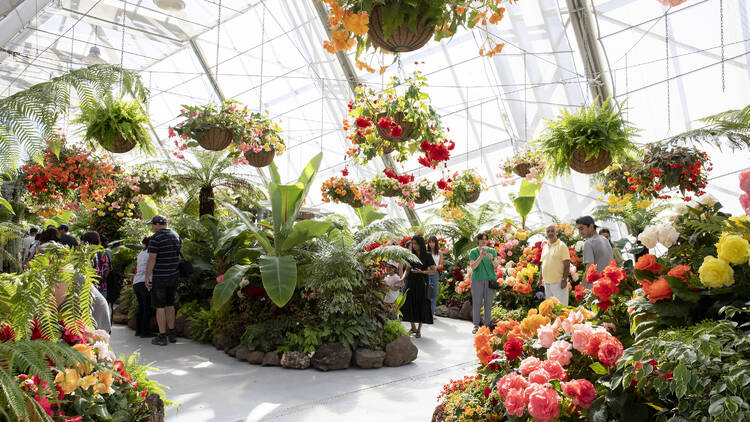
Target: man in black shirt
column 162, row 275
column 65, row 238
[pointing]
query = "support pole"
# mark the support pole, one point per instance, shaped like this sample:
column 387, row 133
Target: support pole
column 582, row 21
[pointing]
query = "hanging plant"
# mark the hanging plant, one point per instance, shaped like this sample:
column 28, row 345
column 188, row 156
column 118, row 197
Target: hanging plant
column 385, row 185
column 108, row 215
column 340, row 189
column 588, row 140
column 461, row 189
column 68, row 177
column 399, row 119
column 426, row 190
column 528, row 165
column 148, row 181
column 399, row 26
column 117, row 125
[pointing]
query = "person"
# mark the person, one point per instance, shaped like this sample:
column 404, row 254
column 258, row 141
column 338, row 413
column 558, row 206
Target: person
column 596, row 249
column 482, row 262
column 101, row 262
column 433, row 247
column 616, row 253
column 143, row 315
column 393, row 281
column 162, row 274
column 65, row 238
column 555, row 267
column 416, row 308
column 28, row 241
column 50, row 234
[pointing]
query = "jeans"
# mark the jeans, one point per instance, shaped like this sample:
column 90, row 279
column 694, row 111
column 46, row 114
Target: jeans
column 433, row 279
column 143, row 315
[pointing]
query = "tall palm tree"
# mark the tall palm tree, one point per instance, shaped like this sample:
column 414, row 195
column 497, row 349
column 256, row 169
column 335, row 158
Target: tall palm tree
column 209, row 171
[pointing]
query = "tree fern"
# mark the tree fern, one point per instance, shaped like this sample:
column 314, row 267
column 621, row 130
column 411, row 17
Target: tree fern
column 734, row 125
column 28, row 117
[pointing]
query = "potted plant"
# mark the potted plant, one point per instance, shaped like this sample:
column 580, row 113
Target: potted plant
column 587, row 140
column 385, row 186
column 341, row 189
column 426, row 191
column 117, row 125
column 149, row 181
column 261, row 140
column 398, row 119
column 400, row 26
column 461, row 189
column 528, row 164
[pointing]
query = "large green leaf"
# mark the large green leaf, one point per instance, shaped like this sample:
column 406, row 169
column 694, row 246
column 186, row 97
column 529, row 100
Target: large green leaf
column 524, row 205
column 528, row 188
column 279, row 275
column 275, row 176
column 306, row 178
column 148, row 208
column 7, row 205
column 283, row 202
column 259, row 235
column 367, row 215
column 224, row 290
column 304, row 231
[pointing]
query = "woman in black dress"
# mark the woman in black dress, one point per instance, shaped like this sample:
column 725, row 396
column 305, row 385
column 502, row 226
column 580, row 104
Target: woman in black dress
column 416, row 308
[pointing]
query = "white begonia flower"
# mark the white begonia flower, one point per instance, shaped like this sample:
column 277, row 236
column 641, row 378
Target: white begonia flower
column 579, row 245
column 680, row 208
column 668, row 235
column 707, row 200
column 649, row 237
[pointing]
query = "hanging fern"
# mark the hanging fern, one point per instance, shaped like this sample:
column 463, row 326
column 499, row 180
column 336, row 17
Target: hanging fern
column 28, row 117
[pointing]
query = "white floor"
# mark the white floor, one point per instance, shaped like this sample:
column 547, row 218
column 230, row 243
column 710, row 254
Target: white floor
column 212, row 386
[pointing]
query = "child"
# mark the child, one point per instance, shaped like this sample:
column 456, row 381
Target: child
column 394, row 283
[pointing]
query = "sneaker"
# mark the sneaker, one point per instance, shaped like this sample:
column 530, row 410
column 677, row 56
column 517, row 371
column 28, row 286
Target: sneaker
column 172, row 336
column 476, row 328
column 160, row 341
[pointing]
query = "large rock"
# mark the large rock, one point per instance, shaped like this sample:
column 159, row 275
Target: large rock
column 256, row 357
column 179, row 325
column 295, row 360
column 438, row 415
column 271, row 359
column 188, row 330
column 368, row 359
column 466, row 311
column 332, row 356
column 155, row 407
column 442, row 310
column 454, row 313
column 223, row 342
column 242, row 352
column 119, row 318
column 132, row 323
column 400, row 352
column 233, row 351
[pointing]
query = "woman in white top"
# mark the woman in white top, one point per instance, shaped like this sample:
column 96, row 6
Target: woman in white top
column 143, row 315
column 433, row 247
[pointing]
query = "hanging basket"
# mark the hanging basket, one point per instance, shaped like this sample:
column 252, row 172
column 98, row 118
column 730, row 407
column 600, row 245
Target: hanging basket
column 522, row 169
column 149, row 187
column 472, row 197
column 402, row 39
column 260, row 159
column 356, row 203
column 387, row 148
column 392, row 192
column 420, row 200
column 216, row 139
column 121, row 145
column 593, row 165
column 407, row 128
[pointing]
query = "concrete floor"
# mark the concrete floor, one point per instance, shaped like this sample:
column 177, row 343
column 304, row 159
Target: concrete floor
column 212, row 386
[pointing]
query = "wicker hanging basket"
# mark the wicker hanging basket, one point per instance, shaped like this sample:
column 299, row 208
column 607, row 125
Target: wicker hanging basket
column 387, row 148
column 216, row 139
column 472, row 196
column 356, row 203
column 407, row 128
column 260, row 159
column 593, row 165
column 120, row 146
column 402, row 39
column 392, row 192
column 522, row 169
column 420, row 200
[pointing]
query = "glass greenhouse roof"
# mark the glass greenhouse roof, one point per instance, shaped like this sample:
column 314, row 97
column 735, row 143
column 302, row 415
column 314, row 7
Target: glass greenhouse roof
column 673, row 66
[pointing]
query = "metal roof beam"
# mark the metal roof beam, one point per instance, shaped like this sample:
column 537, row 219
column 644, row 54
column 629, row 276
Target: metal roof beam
column 581, row 18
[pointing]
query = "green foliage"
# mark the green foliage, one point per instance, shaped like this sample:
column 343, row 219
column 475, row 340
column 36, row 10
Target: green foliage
column 524, row 201
column 204, row 322
column 462, row 231
column 266, row 336
column 114, row 120
column 306, row 340
column 732, row 125
column 28, row 118
column 635, row 218
column 393, row 329
column 599, row 127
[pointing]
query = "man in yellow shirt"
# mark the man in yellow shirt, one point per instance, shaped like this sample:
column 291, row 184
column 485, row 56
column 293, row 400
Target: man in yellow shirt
column 555, row 267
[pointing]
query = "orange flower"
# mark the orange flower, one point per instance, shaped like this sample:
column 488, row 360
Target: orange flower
column 483, row 344
column 504, row 327
column 357, row 23
column 680, row 271
column 656, row 290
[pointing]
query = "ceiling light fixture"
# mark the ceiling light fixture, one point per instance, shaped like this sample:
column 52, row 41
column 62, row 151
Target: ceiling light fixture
column 171, row 5
column 94, row 56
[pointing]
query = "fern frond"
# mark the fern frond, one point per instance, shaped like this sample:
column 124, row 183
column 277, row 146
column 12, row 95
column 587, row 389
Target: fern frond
column 732, row 125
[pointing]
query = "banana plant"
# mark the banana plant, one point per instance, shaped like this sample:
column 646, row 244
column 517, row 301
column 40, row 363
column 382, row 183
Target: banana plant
column 278, row 267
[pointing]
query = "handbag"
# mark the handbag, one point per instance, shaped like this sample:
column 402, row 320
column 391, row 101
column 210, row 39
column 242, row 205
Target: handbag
column 430, row 292
column 184, row 267
column 493, row 284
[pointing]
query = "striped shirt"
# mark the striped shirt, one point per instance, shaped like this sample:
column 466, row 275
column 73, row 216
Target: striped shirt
column 166, row 244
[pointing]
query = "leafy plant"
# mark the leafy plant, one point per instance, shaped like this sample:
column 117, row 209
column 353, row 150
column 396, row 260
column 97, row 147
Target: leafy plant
column 204, row 322
column 393, row 329
column 461, row 187
column 733, row 125
column 115, row 120
column 524, row 201
column 461, row 231
column 632, row 215
column 599, row 127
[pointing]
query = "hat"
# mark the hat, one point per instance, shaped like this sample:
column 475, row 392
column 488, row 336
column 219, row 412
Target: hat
column 158, row 219
column 63, row 227
column 586, row 220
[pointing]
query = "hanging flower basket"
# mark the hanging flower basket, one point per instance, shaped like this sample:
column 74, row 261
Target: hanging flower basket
column 260, row 159
column 579, row 163
column 420, row 200
column 407, row 127
column 119, row 146
column 215, row 139
column 473, row 196
column 522, row 169
column 402, row 39
column 391, row 192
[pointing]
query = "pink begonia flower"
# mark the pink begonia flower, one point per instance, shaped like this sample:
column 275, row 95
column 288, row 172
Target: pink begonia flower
column 573, row 272
column 745, row 180
column 671, row 3
column 540, row 376
column 555, row 370
column 581, row 392
column 560, row 351
column 575, row 317
column 529, row 365
column 745, row 202
column 543, row 402
column 581, row 335
column 511, row 381
column 546, row 334
column 515, row 402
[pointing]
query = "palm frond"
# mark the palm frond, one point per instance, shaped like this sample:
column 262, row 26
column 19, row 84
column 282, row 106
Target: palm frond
column 733, row 126
column 391, row 253
column 393, row 226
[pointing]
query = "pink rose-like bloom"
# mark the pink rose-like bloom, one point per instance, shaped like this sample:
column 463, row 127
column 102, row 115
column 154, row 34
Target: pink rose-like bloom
column 745, row 180
column 745, row 202
column 540, row 376
column 515, row 402
column 555, row 370
column 610, row 351
column 560, row 351
column 581, row 392
column 511, row 381
column 529, row 365
column 581, row 335
column 543, row 402
column 546, row 334
column 575, row 317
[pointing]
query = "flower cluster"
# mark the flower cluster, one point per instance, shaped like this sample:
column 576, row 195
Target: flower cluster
column 529, row 165
column 605, row 284
column 655, row 286
column 459, row 189
column 663, row 233
column 426, row 189
column 435, row 153
column 745, row 186
column 731, row 250
column 340, row 189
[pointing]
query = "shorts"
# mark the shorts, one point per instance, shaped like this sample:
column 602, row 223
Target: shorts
column 163, row 292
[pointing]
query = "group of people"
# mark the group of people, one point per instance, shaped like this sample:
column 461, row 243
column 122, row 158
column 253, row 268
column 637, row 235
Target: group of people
column 420, row 279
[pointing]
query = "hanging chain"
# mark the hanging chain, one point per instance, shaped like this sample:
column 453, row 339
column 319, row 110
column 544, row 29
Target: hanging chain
column 122, row 44
column 627, row 88
column 262, row 58
column 721, row 26
column 666, row 44
column 218, row 39
column 322, row 109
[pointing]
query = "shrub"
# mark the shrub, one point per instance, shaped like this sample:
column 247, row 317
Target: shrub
column 203, row 325
column 393, row 329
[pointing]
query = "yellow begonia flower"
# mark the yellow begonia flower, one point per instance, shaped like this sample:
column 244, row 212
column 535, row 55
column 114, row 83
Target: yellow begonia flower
column 104, row 384
column 100, row 213
column 733, row 249
column 68, row 380
column 546, row 307
column 88, row 381
column 715, row 273
column 643, row 204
